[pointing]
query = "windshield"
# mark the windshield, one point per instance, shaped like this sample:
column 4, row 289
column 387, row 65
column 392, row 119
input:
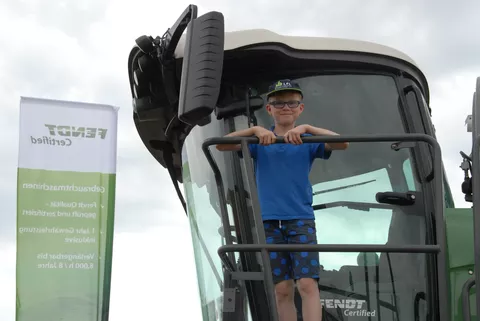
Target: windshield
column 345, row 189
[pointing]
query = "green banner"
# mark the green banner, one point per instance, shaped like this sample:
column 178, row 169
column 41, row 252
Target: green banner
column 65, row 212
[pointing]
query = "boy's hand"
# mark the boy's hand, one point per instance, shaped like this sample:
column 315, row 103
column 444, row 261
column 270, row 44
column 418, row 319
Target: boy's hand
column 265, row 136
column 293, row 135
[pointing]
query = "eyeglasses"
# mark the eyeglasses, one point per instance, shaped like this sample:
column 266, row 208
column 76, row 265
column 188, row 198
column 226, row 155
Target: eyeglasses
column 280, row 104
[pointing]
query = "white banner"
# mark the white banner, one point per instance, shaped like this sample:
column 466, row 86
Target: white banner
column 65, row 209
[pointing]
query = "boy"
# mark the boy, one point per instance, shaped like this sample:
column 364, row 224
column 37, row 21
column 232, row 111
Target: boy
column 285, row 195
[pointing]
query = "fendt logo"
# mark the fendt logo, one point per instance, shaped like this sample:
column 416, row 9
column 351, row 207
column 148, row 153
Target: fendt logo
column 58, row 132
column 349, row 307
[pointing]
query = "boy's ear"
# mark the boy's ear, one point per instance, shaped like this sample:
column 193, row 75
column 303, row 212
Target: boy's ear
column 269, row 109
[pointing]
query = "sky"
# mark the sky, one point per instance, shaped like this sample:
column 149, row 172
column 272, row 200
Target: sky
column 78, row 50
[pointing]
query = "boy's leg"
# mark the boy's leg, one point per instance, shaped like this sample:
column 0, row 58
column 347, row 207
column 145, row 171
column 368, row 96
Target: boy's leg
column 306, row 267
column 282, row 276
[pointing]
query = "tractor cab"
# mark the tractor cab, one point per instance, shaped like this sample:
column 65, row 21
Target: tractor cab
column 379, row 205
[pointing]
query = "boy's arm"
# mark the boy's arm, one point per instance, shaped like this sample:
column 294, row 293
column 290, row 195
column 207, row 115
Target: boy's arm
column 315, row 131
column 240, row 133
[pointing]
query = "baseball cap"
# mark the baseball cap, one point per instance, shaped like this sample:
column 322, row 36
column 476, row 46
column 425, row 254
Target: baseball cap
column 282, row 85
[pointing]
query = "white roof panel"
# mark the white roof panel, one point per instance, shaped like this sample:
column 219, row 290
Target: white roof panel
column 237, row 39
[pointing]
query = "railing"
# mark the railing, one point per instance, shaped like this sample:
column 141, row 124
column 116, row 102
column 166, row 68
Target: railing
column 466, row 298
column 264, row 248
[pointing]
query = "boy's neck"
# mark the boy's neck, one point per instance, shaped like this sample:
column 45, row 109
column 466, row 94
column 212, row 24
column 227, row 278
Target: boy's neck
column 281, row 130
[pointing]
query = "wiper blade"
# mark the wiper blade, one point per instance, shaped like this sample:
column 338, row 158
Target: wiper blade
column 343, row 187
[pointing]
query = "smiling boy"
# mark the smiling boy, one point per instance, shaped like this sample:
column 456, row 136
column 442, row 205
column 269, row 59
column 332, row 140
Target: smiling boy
column 285, row 196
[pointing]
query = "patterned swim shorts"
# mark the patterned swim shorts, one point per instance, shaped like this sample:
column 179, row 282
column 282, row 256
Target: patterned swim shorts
column 296, row 265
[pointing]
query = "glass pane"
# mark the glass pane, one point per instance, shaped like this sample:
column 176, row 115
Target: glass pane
column 341, row 225
column 408, row 172
column 204, row 215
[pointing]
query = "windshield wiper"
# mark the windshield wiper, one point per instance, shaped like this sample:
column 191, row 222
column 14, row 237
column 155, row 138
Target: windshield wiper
column 343, row 187
column 386, row 200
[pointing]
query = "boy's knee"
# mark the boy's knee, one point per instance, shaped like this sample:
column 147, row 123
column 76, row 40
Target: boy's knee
column 307, row 286
column 284, row 290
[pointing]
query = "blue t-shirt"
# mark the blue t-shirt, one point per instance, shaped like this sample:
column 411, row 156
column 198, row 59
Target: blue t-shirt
column 282, row 177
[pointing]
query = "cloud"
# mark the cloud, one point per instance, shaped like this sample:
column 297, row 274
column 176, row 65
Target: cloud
column 7, row 280
column 72, row 18
column 154, row 275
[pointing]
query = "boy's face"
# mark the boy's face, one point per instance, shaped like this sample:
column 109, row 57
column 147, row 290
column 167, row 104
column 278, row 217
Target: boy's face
column 285, row 107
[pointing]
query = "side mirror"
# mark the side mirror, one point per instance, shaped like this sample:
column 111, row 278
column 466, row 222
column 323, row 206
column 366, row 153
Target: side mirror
column 202, row 68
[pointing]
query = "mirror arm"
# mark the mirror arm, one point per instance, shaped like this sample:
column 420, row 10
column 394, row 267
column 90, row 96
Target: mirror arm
column 171, row 38
column 166, row 50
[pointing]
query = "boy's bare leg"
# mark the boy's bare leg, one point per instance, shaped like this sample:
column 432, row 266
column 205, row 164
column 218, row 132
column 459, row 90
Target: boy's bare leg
column 284, row 293
column 311, row 305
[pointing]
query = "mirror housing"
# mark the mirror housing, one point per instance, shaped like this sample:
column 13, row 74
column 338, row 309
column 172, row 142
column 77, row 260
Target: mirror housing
column 202, row 68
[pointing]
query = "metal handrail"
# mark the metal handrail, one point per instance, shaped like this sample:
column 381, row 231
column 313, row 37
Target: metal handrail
column 442, row 280
column 224, row 249
column 466, row 298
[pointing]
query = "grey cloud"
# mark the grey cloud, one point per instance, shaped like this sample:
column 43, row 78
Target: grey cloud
column 50, row 64
column 41, row 74
column 8, row 161
column 145, row 194
column 74, row 18
column 8, row 200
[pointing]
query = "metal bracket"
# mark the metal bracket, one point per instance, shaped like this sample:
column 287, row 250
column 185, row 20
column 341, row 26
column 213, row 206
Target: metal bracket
column 229, row 299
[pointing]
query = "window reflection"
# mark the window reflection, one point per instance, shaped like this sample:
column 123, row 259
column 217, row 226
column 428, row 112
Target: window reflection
column 341, row 225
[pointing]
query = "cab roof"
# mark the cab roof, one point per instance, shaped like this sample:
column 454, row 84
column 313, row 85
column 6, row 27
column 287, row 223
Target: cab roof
column 242, row 38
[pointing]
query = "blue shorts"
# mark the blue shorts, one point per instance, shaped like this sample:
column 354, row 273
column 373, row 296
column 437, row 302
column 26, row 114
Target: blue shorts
column 296, row 265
